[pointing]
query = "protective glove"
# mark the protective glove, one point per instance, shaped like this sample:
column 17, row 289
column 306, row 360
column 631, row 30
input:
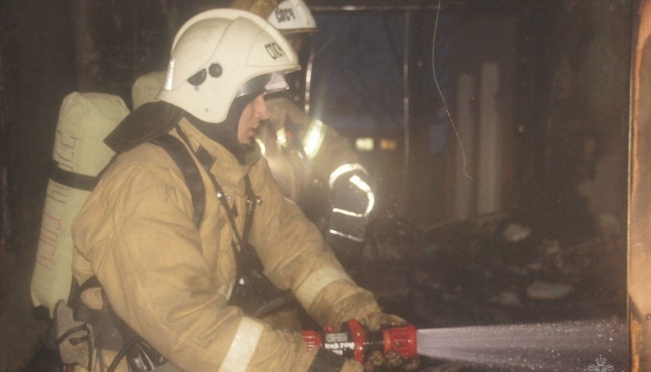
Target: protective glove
column 374, row 321
column 390, row 361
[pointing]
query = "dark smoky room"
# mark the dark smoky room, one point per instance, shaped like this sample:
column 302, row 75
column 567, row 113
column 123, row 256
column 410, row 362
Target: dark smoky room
column 325, row 185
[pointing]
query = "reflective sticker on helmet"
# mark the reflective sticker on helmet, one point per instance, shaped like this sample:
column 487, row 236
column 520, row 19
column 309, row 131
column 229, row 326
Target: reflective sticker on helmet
column 169, row 78
column 316, row 282
column 314, row 138
column 241, row 350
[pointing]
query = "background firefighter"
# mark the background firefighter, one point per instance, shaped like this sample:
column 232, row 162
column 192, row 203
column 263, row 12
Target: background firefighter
column 328, row 158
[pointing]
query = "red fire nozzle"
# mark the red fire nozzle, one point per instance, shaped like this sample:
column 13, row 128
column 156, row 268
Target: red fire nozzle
column 355, row 342
column 401, row 340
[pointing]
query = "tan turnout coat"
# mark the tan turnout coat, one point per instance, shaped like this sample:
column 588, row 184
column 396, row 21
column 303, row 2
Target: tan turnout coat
column 171, row 282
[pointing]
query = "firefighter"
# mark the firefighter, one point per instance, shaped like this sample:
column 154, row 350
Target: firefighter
column 328, row 157
column 170, row 281
column 301, row 150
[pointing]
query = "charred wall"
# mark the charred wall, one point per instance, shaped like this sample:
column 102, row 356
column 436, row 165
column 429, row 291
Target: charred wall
column 585, row 117
column 37, row 72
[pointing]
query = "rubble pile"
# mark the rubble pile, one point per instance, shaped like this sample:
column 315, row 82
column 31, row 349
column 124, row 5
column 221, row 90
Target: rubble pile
column 494, row 271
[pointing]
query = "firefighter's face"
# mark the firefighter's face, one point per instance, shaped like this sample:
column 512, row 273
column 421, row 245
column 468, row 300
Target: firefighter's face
column 250, row 119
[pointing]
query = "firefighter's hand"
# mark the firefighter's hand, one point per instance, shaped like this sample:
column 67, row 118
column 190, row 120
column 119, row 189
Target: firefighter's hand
column 374, row 321
column 389, row 362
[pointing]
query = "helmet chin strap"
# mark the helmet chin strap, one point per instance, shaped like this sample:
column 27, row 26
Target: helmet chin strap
column 225, row 133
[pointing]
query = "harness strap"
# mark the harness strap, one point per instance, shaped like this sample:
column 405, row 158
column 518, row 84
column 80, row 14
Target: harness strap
column 245, row 257
column 72, row 179
column 190, row 171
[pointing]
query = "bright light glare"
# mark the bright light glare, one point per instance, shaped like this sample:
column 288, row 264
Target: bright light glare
column 388, row 144
column 364, row 144
column 314, row 138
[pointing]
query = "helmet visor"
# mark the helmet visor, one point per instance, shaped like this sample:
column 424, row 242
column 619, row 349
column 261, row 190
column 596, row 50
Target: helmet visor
column 264, row 84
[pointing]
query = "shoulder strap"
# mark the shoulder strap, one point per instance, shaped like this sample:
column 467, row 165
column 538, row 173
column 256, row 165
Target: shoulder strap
column 179, row 153
column 246, row 257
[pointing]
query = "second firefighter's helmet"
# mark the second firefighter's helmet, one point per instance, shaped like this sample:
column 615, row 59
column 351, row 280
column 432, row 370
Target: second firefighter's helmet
column 221, row 54
column 293, row 16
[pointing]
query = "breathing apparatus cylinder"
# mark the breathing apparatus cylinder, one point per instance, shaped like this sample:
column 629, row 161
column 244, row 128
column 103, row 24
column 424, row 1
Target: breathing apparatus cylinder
column 355, row 342
column 85, row 119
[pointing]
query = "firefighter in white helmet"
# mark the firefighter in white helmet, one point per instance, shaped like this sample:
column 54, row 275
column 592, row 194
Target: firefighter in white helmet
column 300, row 149
column 170, row 279
column 329, row 157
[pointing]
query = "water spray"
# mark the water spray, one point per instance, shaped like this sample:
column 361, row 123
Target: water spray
column 566, row 346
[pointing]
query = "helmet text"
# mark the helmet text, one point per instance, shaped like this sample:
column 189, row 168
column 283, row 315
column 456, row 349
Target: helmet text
column 284, row 15
column 274, row 50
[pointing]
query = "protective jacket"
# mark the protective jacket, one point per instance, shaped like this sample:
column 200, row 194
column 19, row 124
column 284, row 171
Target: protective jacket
column 171, row 282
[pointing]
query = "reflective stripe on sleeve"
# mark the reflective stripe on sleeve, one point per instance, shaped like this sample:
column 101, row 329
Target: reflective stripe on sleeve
column 316, row 282
column 345, row 168
column 241, row 351
column 355, row 180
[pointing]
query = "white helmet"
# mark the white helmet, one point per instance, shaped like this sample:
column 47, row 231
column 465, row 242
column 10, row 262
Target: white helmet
column 215, row 54
column 292, row 16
